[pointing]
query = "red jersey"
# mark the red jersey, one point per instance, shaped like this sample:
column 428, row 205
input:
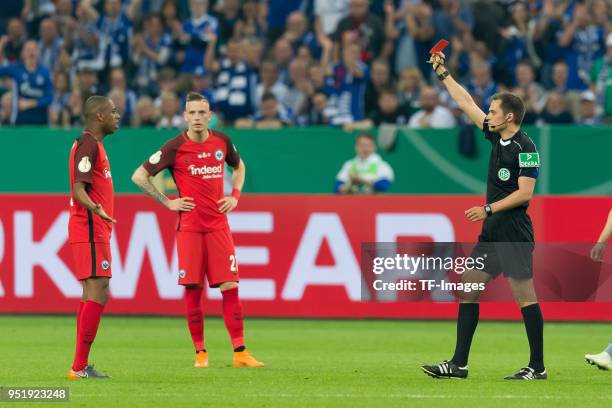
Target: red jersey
column 89, row 164
column 197, row 169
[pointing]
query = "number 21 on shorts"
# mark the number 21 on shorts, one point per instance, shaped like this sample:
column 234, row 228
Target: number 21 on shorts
column 233, row 264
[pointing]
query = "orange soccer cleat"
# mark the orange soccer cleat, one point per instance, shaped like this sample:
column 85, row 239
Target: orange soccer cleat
column 201, row 360
column 245, row 359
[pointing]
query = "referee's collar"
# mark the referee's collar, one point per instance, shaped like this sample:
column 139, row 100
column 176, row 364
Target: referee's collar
column 506, row 142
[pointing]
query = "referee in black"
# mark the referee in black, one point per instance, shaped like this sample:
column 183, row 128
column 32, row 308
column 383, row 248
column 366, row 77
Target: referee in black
column 506, row 241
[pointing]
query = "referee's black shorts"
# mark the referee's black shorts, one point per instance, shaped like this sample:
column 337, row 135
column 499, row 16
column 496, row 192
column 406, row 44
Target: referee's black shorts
column 506, row 243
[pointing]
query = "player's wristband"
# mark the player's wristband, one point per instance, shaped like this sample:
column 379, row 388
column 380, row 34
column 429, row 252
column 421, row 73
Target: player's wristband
column 488, row 210
column 236, row 194
column 443, row 75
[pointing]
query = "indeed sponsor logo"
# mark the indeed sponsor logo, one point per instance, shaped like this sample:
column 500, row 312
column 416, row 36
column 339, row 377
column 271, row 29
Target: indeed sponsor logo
column 206, row 170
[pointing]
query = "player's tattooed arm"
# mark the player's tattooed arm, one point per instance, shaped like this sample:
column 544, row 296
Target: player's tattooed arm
column 80, row 193
column 143, row 180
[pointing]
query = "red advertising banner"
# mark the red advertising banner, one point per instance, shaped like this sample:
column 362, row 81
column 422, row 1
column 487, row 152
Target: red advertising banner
column 299, row 255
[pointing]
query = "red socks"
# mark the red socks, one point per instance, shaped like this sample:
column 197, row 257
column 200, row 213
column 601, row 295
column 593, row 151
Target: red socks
column 232, row 315
column 195, row 321
column 81, row 304
column 91, row 312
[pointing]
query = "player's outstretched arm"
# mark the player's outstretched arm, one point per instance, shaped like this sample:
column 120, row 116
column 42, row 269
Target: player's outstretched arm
column 80, row 193
column 462, row 97
column 598, row 250
column 143, row 180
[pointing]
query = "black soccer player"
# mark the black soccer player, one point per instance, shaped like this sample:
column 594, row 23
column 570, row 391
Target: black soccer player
column 506, row 240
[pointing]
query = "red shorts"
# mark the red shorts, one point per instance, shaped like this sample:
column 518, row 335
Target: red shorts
column 209, row 254
column 91, row 259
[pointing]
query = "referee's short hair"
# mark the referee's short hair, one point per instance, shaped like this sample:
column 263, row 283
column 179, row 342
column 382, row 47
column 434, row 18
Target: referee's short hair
column 511, row 103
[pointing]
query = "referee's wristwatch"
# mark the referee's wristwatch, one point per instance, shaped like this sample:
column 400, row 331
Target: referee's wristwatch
column 488, row 210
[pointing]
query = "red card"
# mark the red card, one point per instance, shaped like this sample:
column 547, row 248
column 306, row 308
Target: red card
column 439, row 47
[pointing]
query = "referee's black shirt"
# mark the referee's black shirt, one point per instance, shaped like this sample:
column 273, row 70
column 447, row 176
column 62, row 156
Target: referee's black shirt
column 509, row 160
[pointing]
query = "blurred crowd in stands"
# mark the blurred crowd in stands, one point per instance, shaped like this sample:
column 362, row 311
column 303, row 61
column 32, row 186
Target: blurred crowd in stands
column 353, row 64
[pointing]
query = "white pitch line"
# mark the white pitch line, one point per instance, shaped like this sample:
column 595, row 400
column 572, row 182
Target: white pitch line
column 394, row 396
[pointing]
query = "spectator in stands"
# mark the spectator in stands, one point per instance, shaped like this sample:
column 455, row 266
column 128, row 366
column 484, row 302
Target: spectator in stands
column 230, row 16
column 13, row 41
column 316, row 114
column 254, row 50
column 300, row 88
column 316, row 74
column 346, row 86
column 297, row 34
column 419, row 26
column 410, row 84
column 87, row 81
column 560, row 72
column 601, row 79
column 64, row 12
column 270, row 116
column 452, row 18
column 389, row 110
column 380, row 78
column 170, row 117
column 115, row 25
column 145, row 115
column 59, row 110
column 276, row 12
column 83, row 37
column 367, row 173
column 50, row 44
column 515, row 40
column 282, row 55
column 555, row 112
column 268, row 82
column 33, row 91
column 201, row 83
column 235, row 87
column 253, row 21
column 482, row 86
column 75, row 103
column 119, row 82
column 362, row 28
column 588, row 109
column 584, row 42
column 328, row 14
column 151, row 50
column 195, row 36
column 432, row 114
column 546, row 26
column 534, row 93
column 559, row 77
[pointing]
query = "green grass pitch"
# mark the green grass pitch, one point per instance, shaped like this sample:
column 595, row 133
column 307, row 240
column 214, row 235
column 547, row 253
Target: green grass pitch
column 310, row 363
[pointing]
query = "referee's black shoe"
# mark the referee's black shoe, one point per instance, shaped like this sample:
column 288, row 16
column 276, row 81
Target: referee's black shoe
column 527, row 373
column 446, row 369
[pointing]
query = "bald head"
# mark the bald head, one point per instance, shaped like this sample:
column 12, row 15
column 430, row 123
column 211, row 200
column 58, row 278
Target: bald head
column 95, row 104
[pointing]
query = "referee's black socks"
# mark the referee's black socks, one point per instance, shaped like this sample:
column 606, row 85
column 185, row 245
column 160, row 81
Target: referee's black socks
column 534, row 325
column 467, row 320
